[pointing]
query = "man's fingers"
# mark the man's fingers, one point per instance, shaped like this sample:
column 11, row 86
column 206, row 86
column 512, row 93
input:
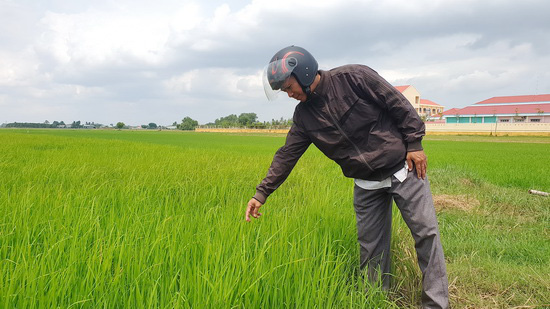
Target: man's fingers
column 255, row 212
column 247, row 215
column 420, row 171
column 409, row 164
column 420, row 163
column 253, row 209
column 425, row 169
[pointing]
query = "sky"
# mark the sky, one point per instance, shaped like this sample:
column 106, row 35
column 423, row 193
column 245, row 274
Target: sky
column 160, row 61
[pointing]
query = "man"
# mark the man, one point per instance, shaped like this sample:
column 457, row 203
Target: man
column 360, row 121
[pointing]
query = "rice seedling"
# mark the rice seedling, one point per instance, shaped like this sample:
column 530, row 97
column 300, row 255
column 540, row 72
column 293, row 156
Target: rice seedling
column 156, row 219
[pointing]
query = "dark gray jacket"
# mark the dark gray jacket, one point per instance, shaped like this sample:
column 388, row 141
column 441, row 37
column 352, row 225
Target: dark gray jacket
column 356, row 118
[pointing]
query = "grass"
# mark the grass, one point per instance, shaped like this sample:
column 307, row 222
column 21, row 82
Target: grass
column 92, row 218
column 507, row 162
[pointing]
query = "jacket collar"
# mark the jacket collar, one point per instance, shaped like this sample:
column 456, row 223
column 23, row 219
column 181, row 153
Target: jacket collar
column 323, row 87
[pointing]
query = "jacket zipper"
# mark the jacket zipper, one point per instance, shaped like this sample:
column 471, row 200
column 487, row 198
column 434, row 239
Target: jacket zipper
column 346, row 136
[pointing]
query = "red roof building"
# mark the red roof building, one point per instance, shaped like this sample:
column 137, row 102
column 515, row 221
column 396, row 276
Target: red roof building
column 543, row 98
column 526, row 108
column 402, row 88
column 423, row 107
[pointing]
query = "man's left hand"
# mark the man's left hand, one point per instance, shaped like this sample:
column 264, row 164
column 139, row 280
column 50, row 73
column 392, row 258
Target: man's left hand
column 420, row 162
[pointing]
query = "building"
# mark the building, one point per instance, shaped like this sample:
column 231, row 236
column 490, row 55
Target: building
column 511, row 109
column 429, row 108
column 424, row 107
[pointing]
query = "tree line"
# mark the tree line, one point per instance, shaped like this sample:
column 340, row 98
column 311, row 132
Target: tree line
column 249, row 120
column 46, row 124
column 56, row 124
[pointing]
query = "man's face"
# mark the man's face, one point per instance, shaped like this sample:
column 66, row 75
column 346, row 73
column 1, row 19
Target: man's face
column 293, row 89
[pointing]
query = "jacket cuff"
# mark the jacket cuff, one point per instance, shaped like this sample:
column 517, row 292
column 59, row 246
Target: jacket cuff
column 414, row 146
column 260, row 197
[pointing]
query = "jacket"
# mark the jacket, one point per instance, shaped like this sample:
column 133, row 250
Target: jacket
column 357, row 119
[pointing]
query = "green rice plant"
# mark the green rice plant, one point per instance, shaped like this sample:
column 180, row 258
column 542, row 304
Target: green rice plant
column 93, row 218
column 509, row 164
column 98, row 221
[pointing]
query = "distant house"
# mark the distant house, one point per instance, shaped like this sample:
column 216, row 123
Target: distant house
column 429, row 108
column 524, row 108
column 171, row 127
column 423, row 107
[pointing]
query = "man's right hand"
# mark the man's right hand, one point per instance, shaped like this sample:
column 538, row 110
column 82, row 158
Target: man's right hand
column 252, row 209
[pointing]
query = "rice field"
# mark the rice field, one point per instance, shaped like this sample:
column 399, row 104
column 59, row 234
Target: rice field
column 92, row 218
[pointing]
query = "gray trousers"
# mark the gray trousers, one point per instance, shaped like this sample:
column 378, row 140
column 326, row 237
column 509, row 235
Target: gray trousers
column 373, row 210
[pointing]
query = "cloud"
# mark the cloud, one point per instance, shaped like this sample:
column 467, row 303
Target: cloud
column 219, row 83
column 104, row 61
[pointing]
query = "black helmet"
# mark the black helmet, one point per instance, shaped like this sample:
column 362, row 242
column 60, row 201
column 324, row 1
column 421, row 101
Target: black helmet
column 292, row 60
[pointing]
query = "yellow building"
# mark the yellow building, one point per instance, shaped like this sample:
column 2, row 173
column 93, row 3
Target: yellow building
column 424, row 107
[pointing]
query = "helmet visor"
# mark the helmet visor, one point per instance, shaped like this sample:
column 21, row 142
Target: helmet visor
column 275, row 74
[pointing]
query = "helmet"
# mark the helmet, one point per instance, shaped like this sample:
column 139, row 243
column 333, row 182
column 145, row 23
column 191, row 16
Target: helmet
column 292, row 60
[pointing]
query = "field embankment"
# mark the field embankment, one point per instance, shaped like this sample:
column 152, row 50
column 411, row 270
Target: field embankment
column 241, row 130
column 489, row 129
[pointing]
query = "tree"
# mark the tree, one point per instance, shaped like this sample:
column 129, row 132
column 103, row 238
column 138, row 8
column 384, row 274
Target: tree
column 76, row 125
column 152, row 125
column 120, row 125
column 281, row 122
column 188, row 124
column 228, row 121
column 27, row 125
column 247, row 119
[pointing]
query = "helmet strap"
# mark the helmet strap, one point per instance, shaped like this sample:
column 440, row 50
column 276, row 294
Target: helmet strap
column 307, row 91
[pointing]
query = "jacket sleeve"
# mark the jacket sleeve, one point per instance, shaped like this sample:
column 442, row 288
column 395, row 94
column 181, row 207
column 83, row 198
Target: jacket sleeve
column 377, row 89
column 284, row 161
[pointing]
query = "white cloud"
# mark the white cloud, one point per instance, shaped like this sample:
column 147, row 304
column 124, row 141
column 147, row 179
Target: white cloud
column 94, row 37
column 15, row 70
column 181, row 83
column 218, row 82
column 104, row 61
